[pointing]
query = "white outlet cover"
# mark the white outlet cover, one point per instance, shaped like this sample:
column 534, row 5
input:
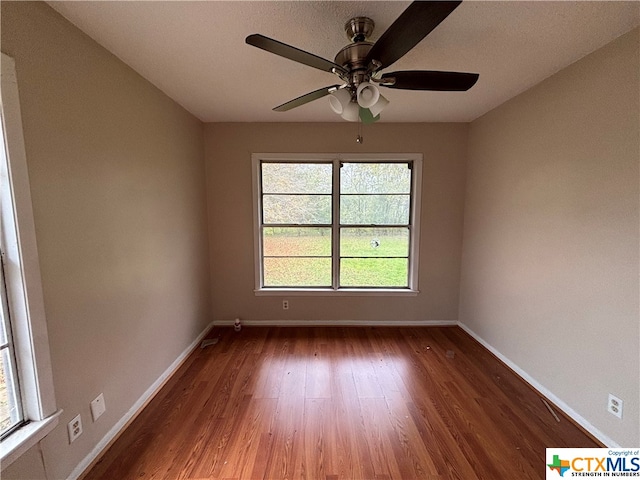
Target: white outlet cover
column 614, row 406
column 97, row 407
column 74, row 427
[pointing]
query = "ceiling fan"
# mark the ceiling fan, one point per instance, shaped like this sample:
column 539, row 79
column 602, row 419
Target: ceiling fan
column 359, row 65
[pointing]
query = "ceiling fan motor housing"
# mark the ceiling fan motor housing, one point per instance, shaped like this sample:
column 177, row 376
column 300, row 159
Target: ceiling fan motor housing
column 352, row 57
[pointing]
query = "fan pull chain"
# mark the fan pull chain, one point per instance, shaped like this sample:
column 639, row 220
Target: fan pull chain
column 359, row 138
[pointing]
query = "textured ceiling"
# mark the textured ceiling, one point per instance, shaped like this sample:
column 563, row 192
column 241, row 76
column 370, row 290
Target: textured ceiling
column 195, row 51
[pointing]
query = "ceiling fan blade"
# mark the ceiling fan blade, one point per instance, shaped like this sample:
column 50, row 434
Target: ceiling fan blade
column 292, row 53
column 430, row 80
column 309, row 97
column 415, row 23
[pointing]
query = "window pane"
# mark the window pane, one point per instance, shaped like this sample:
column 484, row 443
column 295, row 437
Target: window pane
column 375, row 178
column 9, row 408
column 374, row 209
column 296, row 209
column 297, row 272
column 296, row 177
column 294, row 242
column 374, row 272
column 374, row 242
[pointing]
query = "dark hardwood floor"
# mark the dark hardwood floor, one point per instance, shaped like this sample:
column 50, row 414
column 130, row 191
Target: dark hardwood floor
column 341, row 403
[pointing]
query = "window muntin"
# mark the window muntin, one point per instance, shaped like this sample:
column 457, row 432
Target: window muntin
column 337, row 223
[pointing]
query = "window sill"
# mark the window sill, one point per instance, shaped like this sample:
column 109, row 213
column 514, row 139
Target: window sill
column 328, row 292
column 26, row 437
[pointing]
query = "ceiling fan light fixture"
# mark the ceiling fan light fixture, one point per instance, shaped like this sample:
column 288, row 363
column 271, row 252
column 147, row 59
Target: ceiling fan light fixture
column 367, row 94
column 351, row 112
column 377, row 107
column 339, row 100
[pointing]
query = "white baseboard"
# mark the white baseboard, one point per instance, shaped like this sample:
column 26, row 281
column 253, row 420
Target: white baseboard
column 570, row 412
column 340, row 323
column 136, row 408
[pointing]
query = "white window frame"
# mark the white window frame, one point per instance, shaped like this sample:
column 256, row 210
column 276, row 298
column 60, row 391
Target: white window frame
column 24, row 283
column 336, row 158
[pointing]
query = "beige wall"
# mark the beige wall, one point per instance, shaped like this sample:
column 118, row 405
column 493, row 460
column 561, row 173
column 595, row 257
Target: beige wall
column 228, row 156
column 549, row 262
column 550, row 255
column 117, row 182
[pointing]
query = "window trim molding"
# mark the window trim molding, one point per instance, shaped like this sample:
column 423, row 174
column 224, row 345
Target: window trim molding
column 24, row 282
column 414, row 246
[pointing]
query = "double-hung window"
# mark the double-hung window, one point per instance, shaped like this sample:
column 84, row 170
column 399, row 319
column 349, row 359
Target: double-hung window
column 337, row 223
column 27, row 400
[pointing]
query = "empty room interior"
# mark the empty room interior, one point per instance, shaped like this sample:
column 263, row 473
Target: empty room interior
column 213, row 271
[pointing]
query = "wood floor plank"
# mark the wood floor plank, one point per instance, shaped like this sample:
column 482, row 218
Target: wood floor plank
column 318, row 378
column 404, row 437
column 377, row 429
column 340, row 404
column 243, row 450
column 363, row 372
column 287, row 438
column 317, row 456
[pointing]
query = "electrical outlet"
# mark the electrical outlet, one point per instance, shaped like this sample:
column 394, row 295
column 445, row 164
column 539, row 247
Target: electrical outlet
column 614, row 406
column 97, row 407
column 285, row 304
column 74, row 427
